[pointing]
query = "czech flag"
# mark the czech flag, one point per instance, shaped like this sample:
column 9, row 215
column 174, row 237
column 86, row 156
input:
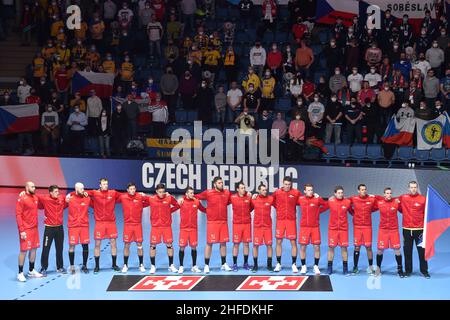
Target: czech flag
column 399, row 132
column 437, row 220
column 329, row 10
column 446, row 134
column 84, row 82
column 19, row 118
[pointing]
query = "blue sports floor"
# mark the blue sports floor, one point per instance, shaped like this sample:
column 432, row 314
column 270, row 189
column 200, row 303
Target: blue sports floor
column 89, row 287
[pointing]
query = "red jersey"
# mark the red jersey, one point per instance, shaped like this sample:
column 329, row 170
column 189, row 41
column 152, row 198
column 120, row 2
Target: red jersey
column 218, row 202
column 311, row 208
column 27, row 212
column 79, row 211
column 161, row 210
column 363, row 208
column 262, row 208
column 299, row 30
column 388, row 213
column 242, row 207
column 53, row 209
column 413, row 209
column 286, row 203
column 132, row 207
column 338, row 213
column 33, row 99
column 104, row 203
column 274, row 59
column 188, row 213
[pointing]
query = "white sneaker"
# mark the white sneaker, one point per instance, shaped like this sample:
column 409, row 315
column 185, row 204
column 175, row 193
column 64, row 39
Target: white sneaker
column 125, row 268
column 180, row 270
column 21, row 277
column 277, row 268
column 196, row 269
column 34, row 274
column 152, row 269
column 225, row 267
column 206, row 269
column 142, row 268
column 370, row 271
column 303, row 269
column 173, row 269
column 316, row 270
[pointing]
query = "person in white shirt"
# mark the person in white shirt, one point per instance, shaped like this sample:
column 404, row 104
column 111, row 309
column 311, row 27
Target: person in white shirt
column 125, row 16
column 109, row 10
column 422, row 64
column 93, row 109
column 77, row 122
column 160, row 117
column 355, row 80
column 23, row 90
column 234, row 100
column 258, row 58
column 155, row 33
column 373, row 78
column 315, row 113
column 49, row 129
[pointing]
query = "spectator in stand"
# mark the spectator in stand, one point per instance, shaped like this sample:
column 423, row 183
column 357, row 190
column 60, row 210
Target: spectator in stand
column 386, row 102
column 204, row 100
column 234, row 102
column 125, row 16
column 43, row 89
column 413, row 95
column 97, row 28
column 366, row 92
column 109, row 11
column 373, row 56
column 246, row 13
column 220, row 103
column 50, row 130
column 188, row 8
column 160, row 117
column 424, row 112
column 280, row 127
column 355, row 80
column 304, row 58
column 188, row 90
column 58, row 106
column 267, row 91
column 78, row 101
column 431, row 88
column 274, row 62
column 174, row 28
column 404, row 66
column 439, row 108
column 337, row 81
column 103, row 126
column 296, row 137
column 299, row 29
column 39, row 68
column 119, row 130
column 333, row 55
column 269, row 15
column 334, row 117
column 352, row 55
column 445, row 88
column 373, row 78
column 155, row 34
column 77, row 123
column 316, row 111
column 94, row 108
column 230, row 64
column 23, row 90
column 309, row 89
column 371, row 119
column 126, row 73
column 251, row 78
column 169, row 87
column 131, row 109
column 258, row 58
column 422, row 65
column 145, row 15
column 62, row 84
column 353, row 124
column 252, row 99
column 436, row 57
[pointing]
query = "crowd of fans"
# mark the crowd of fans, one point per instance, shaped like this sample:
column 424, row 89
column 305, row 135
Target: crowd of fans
column 341, row 84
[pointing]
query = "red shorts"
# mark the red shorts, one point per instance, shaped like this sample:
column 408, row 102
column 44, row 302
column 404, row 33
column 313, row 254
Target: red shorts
column 309, row 235
column 188, row 236
column 217, row 232
column 362, row 236
column 286, row 229
column 132, row 232
column 262, row 235
column 105, row 230
column 242, row 233
column 78, row 235
column 388, row 239
column 31, row 241
column 158, row 233
column 337, row 238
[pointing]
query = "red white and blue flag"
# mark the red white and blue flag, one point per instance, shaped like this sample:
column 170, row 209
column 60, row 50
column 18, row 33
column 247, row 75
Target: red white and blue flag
column 19, row 118
column 399, row 132
column 437, row 220
column 84, row 82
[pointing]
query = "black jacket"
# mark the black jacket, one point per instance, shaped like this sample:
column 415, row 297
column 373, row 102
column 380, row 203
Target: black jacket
column 119, row 123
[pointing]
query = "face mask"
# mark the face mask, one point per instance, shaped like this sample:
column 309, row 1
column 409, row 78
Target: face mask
column 42, row 81
column 133, row 87
column 332, row 43
column 119, row 108
column 403, row 105
column 388, row 16
column 372, row 70
column 125, row 34
column 333, row 99
column 21, row 83
column 127, row 60
column 288, row 49
column 104, row 114
column 337, row 72
column 267, row 74
column 423, row 33
column 435, row 45
column 250, row 88
column 316, row 99
column 150, row 81
column 245, row 113
column 297, row 117
column 49, row 109
column 6, row 96
column 203, row 85
column 77, row 110
column 395, row 47
column 386, row 88
column 274, row 48
column 299, row 103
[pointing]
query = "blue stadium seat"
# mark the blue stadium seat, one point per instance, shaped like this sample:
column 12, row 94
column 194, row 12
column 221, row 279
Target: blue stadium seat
column 181, row 116
column 191, row 116
column 343, row 152
column 331, row 152
column 283, row 104
column 438, row 155
column 323, row 36
column 358, row 152
column 374, row 152
column 405, row 153
column 422, row 155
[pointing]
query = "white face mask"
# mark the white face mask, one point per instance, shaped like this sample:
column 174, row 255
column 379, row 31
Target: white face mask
column 316, row 99
column 299, row 103
column 77, row 110
column 372, row 70
column 333, row 99
column 337, row 72
column 49, row 109
column 435, row 45
column 297, row 117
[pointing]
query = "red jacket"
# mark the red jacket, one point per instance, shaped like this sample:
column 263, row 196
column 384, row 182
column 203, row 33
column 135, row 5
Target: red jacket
column 104, row 203
column 388, row 213
column 338, row 213
column 286, row 203
column 311, row 208
column 79, row 211
column 132, row 207
column 242, row 207
column 188, row 213
column 218, row 202
column 27, row 212
column 161, row 210
column 53, row 209
column 274, row 59
column 413, row 209
column 299, row 30
column 363, row 208
column 273, row 8
column 262, row 207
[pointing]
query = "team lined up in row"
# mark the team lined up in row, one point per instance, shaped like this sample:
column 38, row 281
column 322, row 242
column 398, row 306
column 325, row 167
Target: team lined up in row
column 285, row 201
